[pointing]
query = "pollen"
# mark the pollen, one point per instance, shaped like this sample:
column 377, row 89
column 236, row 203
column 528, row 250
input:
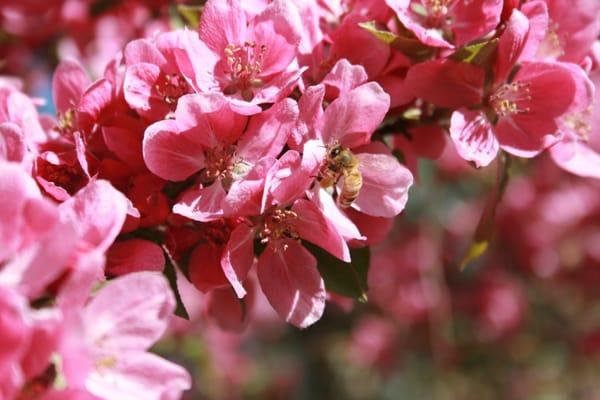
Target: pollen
column 511, row 98
column 278, row 224
column 244, row 63
column 578, row 123
column 170, row 88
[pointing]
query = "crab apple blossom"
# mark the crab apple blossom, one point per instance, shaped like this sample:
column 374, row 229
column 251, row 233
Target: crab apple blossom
column 250, row 164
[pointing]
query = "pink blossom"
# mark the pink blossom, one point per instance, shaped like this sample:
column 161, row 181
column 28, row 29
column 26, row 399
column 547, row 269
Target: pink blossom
column 434, row 22
column 111, row 358
column 526, row 110
column 249, row 60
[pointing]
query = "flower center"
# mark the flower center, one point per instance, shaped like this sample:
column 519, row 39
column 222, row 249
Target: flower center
column 171, row 88
column 508, row 99
column 66, row 122
column 579, row 124
column 278, row 224
column 218, row 164
column 551, row 45
column 244, row 65
column 436, row 8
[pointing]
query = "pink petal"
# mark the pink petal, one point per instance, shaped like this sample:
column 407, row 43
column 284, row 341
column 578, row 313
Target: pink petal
column 576, row 157
column 140, row 92
column 277, row 28
column 289, row 279
column 204, row 204
column 12, row 142
column 130, row 313
column 347, row 229
column 94, row 100
column 134, row 255
column 352, row 117
column 205, row 267
column 384, row 192
column 310, row 107
column 238, row 257
column 171, row 154
column 210, row 119
column 138, row 375
column 446, row 83
column 473, row 137
column 511, row 45
column 268, row 131
column 474, row 19
column 358, row 46
column 223, row 22
column 314, row 227
column 100, row 211
column 143, row 51
column 345, row 76
column 68, row 83
column 227, row 310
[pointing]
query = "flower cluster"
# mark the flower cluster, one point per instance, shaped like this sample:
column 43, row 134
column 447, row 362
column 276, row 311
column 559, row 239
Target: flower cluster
column 271, row 139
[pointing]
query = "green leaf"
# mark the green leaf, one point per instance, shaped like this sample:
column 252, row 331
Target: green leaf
column 171, row 276
column 385, row 36
column 346, row 279
column 477, row 53
column 191, row 14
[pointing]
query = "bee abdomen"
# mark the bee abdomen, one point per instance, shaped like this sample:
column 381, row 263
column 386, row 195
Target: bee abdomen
column 350, row 188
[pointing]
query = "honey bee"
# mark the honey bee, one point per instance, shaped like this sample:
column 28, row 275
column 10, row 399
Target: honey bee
column 340, row 163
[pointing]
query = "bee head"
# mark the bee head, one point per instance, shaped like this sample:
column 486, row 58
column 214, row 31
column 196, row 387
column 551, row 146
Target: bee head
column 335, row 151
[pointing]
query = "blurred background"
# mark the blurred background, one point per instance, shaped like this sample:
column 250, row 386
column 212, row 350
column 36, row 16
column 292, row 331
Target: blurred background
column 522, row 321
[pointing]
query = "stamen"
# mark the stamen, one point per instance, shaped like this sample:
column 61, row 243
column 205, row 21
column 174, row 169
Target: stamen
column 278, row 224
column 508, row 98
column 244, row 65
column 578, row 123
column 171, row 88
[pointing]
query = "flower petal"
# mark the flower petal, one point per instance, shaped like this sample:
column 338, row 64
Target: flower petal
column 290, row 280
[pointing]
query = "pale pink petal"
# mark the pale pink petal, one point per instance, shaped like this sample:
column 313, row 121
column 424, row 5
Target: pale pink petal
column 130, row 312
column 344, row 225
column 345, row 76
column 473, row 137
column 277, row 28
column 313, row 226
column 310, row 107
column 171, row 154
column 134, row 255
column 68, row 83
column 223, row 22
column 204, row 204
column 238, row 257
column 100, row 211
column 209, row 118
column 12, row 142
column 289, row 279
column 140, row 92
column 576, row 157
column 352, row 117
column 94, row 100
column 13, row 325
column 138, row 375
column 384, row 191
column 143, row 51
